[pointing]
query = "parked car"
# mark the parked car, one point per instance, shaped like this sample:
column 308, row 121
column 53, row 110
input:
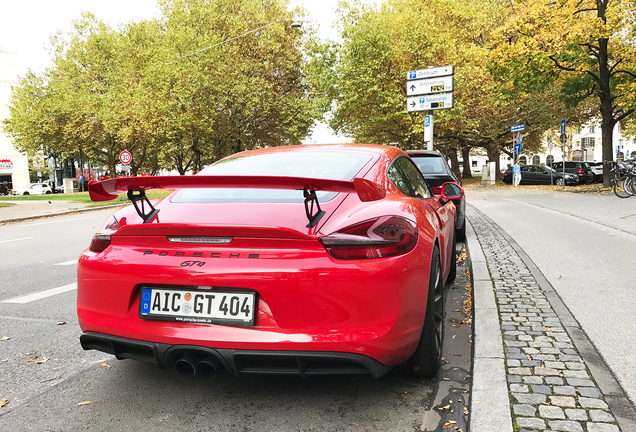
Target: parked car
column 436, row 171
column 303, row 260
column 581, row 169
column 541, row 175
column 4, row 190
column 597, row 171
column 59, row 189
column 33, row 189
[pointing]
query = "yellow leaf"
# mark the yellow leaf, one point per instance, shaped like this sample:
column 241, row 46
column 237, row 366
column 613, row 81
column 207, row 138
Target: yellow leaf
column 32, row 358
column 449, row 425
column 5, row 338
column 106, row 365
column 84, row 403
column 4, row 402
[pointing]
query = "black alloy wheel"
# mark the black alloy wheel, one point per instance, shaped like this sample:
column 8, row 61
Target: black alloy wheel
column 426, row 359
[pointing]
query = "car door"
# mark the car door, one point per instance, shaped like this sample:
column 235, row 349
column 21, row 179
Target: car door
column 527, row 176
column 542, row 175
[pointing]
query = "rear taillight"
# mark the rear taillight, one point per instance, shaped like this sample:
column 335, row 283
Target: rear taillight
column 580, row 171
column 376, row 238
column 101, row 239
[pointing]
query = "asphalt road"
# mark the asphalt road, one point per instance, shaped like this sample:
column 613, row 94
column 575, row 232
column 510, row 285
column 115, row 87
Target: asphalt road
column 583, row 243
column 46, row 376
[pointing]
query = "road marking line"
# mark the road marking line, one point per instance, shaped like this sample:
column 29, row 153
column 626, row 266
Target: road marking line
column 71, row 262
column 43, row 294
column 58, row 221
column 18, row 239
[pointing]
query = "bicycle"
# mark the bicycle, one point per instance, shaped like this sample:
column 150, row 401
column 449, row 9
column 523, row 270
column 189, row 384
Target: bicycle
column 622, row 180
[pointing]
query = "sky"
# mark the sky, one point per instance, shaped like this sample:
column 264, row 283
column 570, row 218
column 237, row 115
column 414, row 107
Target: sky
column 26, row 25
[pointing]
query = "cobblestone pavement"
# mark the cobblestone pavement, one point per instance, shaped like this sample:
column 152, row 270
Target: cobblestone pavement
column 550, row 385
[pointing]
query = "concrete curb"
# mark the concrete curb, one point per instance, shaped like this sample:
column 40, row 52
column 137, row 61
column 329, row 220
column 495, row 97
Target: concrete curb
column 490, row 402
column 62, row 213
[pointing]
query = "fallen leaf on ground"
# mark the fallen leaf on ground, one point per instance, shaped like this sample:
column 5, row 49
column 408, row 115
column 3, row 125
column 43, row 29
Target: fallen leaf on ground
column 106, row 365
column 4, row 338
column 44, row 360
column 62, row 323
column 84, row 403
column 4, row 402
column 449, row 425
column 32, row 358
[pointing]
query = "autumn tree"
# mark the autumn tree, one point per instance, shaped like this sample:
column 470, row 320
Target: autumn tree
column 586, row 45
column 204, row 80
column 365, row 76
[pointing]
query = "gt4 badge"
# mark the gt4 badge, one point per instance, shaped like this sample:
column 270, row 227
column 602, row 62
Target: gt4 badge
column 192, row 263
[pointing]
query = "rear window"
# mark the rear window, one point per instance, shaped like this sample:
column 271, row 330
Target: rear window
column 321, row 165
column 431, row 165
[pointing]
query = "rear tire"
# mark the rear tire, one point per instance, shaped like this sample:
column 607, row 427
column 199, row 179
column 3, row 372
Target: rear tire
column 426, row 359
column 559, row 181
column 26, row 193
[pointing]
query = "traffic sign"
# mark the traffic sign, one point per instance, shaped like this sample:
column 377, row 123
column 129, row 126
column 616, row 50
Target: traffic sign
column 432, row 102
column 563, row 137
column 517, row 128
column 429, row 85
column 125, row 157
column 562, row 127
column 430, row 72
column 517, row 148
column 518, row 138
column 428, row 129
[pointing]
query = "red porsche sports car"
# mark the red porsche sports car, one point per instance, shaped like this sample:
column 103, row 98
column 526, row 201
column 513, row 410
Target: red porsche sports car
column 308, row 260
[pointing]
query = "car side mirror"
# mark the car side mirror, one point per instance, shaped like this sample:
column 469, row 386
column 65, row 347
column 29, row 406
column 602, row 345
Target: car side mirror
column 452, row 191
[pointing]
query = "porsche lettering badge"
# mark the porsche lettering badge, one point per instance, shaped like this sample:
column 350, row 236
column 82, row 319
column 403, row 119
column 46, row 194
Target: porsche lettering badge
column 202, row 254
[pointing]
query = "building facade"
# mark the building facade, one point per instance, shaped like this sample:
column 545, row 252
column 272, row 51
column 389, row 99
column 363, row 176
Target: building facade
column 14, row 166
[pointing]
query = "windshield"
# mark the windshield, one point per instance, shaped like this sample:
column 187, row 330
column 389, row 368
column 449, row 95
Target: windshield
column 322, row 165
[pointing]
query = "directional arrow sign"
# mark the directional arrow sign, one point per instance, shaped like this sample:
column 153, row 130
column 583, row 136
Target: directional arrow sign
column 517, row 148
column 563, row 126
column 432, row 102
column 430, row 72
column 429, row 85
column 519, row 138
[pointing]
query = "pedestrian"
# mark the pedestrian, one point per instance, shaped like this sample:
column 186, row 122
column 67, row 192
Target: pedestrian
column 82, row 179
column 516, row 173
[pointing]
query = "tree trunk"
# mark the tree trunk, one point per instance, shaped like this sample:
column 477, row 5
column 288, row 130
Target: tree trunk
column 452, row 154
column 466, row 168
column 607, row 114
column 493, row 156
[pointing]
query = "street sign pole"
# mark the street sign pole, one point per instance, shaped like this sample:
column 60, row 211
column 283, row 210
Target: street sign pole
column 428, row 130
column 563, row 138
column 550, row 148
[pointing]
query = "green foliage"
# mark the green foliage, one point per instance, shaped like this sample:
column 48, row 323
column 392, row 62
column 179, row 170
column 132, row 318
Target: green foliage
column 206, row 79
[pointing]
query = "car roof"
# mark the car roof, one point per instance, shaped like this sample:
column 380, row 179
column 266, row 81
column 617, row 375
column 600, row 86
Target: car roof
column 429, row 153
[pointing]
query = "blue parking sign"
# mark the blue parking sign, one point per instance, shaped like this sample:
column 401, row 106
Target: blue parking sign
column 427, row 121
column 412, row 74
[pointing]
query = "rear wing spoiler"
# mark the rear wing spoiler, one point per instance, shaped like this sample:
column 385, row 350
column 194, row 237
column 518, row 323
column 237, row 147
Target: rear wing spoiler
column 107, row 190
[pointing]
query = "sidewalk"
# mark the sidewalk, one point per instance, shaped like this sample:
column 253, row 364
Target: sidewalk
column 26, row 210
column 534, row 369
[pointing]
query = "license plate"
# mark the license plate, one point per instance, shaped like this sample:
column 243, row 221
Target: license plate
column 197, row 306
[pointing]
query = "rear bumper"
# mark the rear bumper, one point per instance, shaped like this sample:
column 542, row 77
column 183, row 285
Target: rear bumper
column 238, row 362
